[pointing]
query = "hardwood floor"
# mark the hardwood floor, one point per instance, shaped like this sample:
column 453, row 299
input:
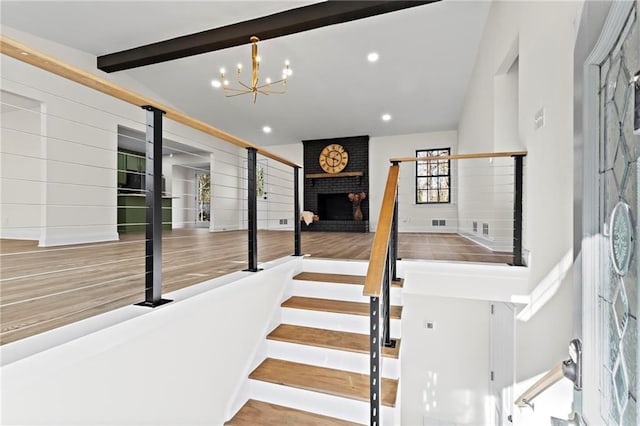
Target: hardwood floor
column 45, row 288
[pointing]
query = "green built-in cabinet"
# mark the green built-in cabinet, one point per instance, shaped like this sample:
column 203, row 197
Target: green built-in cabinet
column 128, row 161
column 131, row 204
column 132, row 213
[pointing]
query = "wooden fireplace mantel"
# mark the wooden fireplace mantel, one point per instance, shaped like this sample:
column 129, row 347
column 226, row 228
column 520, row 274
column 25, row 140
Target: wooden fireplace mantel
column 313, row 176
column 332, row 175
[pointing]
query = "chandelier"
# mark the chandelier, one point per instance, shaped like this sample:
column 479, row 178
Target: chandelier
column 267, row 88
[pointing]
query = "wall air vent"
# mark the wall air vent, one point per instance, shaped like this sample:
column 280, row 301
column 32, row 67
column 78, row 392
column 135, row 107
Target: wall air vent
column 485, row 229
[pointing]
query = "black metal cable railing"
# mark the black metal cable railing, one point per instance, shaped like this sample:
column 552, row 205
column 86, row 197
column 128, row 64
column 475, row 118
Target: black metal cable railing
column 119, row 177
column 382, row 268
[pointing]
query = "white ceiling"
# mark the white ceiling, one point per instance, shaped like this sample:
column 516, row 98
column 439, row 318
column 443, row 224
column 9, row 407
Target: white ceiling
column 427, row 54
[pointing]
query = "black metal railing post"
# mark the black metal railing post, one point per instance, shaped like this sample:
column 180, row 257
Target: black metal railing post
column 297, row 238
column 374, row 360
column 252, row 209
column 153, row 202
column 517, row 210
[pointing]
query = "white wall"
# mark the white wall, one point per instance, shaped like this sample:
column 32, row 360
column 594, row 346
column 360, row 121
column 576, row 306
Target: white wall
column 21, row 168
column 80, row 147
column 449, row 364
column 545, row 35
column 544, row 80
column 295, row 154
column 412, row 217
column 444, row 369
column 174, row 365
column 277, row 203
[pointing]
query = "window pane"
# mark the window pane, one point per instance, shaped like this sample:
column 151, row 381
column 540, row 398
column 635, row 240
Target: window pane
column 422, row 196
column 443, row 167
column 422, row 168
column 432, row 183
column 443, row 183
column 444, row 195
column 422, row 183
column 432, row 196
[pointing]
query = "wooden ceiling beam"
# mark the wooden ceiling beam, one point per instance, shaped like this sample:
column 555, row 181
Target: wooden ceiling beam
column 271, row 26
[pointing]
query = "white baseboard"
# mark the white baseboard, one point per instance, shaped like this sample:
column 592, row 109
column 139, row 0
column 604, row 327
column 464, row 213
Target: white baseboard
column 20, row 234
column 64, row 240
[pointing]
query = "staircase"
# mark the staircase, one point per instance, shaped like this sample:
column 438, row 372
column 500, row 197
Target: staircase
column 316, row 370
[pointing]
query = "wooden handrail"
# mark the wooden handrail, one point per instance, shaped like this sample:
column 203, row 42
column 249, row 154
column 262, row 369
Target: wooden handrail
column 375, row 271
column 55, row 66
column 460, row 156
column 552, row 377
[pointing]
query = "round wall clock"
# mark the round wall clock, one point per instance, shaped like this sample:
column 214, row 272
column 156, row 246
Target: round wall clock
column 621, row 238
column 333, row 158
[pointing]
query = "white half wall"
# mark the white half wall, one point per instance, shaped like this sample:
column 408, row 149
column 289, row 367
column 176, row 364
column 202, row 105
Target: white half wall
column 180, row 364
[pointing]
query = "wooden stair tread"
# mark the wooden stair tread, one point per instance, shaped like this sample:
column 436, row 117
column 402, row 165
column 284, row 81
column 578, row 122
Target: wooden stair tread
column 326, row 380
column 319, row 337
column 338, row 278
column 336, row 306
column 263, row 413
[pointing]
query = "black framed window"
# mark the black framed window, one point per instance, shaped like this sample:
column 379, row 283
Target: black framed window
column 433, row 176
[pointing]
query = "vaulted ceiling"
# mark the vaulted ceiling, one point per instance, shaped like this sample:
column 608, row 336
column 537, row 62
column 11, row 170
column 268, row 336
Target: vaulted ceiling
column 426, row 57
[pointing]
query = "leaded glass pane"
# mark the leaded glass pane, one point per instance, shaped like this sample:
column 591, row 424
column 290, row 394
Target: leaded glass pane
column 618, row 288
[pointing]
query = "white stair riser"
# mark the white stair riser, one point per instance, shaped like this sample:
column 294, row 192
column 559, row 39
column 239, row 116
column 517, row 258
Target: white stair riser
column 316, row 402
column 330, row 358
column 347, row 292
column 333, row 321
column 348, row 267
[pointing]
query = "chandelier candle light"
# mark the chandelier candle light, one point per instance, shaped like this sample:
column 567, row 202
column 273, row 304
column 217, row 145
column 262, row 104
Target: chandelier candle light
column 255, row 87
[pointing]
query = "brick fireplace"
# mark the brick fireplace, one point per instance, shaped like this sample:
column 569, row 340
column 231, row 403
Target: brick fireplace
column 327, row 197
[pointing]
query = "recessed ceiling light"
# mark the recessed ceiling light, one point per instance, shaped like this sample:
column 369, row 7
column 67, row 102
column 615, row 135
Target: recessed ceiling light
column 386, row 117
column 266, row 129
column 373, row 57
column 216, row 83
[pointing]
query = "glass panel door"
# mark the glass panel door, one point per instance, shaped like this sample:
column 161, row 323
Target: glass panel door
column 618, row 286
column 203, row 198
